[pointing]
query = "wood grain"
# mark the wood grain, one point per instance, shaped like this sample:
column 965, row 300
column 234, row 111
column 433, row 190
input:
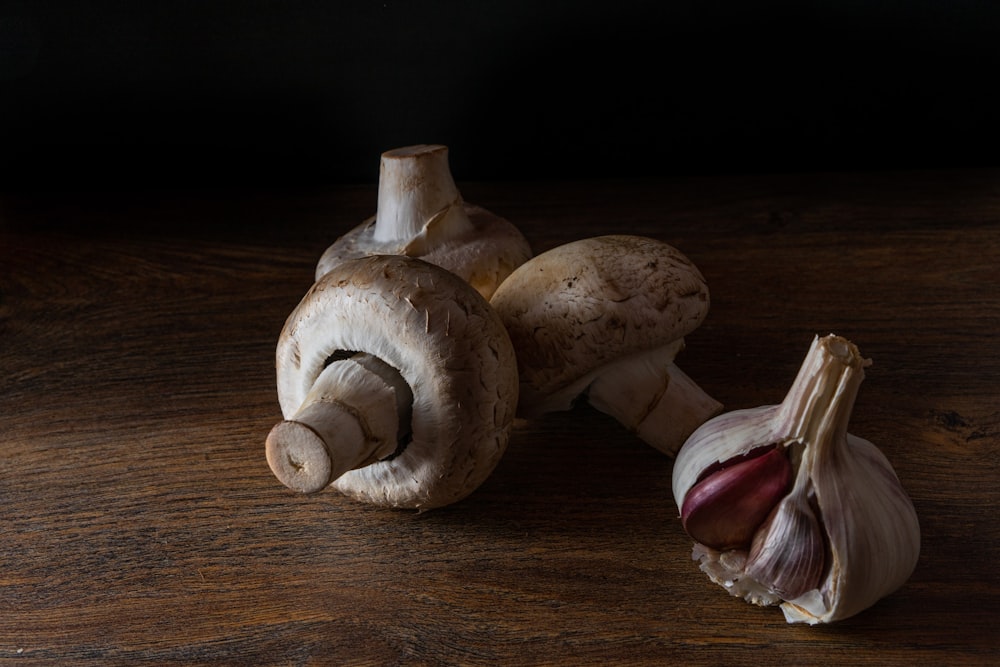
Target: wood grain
column 140, row 522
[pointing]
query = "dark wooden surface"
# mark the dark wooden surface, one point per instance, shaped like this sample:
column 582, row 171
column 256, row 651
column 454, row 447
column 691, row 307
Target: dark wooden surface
column 139, row 520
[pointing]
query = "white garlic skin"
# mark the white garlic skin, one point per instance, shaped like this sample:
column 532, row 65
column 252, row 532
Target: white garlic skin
column 870, row 523
column 721, row 438
column 873, row 530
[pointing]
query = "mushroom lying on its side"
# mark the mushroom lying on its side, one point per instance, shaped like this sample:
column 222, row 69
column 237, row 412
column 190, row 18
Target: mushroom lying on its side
column 398, row 384
column 604, row 317
column 421, row 214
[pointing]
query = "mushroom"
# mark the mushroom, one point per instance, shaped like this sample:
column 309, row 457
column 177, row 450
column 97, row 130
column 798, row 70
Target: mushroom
column 604, row 317
column 421, row 214
column 397, row 383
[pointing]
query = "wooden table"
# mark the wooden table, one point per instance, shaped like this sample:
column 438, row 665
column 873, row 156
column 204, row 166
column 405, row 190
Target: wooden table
column 140, row 521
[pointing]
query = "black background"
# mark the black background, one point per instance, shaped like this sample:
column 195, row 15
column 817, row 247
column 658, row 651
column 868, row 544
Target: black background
column 255, row 93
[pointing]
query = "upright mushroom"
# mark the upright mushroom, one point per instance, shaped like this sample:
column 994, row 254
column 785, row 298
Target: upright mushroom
column 604, row 317
column 421, row 214
column 398, row 384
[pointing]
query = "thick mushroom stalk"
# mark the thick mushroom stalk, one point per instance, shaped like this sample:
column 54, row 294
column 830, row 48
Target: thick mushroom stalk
column 603, row 318
column 421, row 214
column 417, row 409
column 419, row 204
column 652, row 397
column 356, row 412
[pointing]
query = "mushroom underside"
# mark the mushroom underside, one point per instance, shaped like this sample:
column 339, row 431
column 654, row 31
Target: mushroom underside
column 446, row 343
column 404, row 402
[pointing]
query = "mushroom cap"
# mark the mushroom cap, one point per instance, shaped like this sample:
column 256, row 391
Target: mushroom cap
column 445, row 341
column 576, row 308
column 483, row 256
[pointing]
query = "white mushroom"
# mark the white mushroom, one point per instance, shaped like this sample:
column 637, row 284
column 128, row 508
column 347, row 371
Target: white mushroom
column 421, row 214
column 604, row 317
column 398, row 384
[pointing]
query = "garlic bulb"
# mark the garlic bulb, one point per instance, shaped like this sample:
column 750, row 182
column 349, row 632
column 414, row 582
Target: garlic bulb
column 785, row 506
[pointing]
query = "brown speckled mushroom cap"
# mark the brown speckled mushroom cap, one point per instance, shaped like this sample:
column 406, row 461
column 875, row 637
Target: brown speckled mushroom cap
column 578, row 307
column 448, row 345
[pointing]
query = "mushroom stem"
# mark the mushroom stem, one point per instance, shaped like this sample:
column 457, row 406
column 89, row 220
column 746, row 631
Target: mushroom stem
column 653, row 398
column 355, row 414
column 418, row 201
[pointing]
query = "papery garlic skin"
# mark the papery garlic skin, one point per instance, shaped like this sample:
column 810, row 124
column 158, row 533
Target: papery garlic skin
column 876, row 536
column 870, row 527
